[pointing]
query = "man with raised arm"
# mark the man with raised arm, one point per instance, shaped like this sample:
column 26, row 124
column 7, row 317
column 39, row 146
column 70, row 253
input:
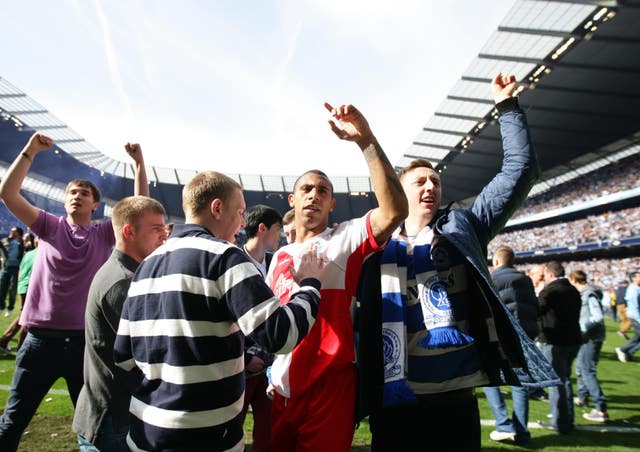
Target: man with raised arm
column 442, row 329
column 70, row 252
column 314, row 402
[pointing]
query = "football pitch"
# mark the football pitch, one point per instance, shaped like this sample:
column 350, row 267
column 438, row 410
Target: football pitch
column 50, row 429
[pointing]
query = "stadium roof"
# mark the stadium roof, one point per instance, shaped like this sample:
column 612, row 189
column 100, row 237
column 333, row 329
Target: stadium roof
column 579, row 63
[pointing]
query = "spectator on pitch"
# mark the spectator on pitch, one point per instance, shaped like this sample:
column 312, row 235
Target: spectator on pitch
column 102, row 413
column 24, row 275
column 168, row 228
column 621, row 308
column 443, row 329
column 262, row 225
column 70, row 251
column 315, row 385
column 561, row 338
column 289, row 226
column 632, row 298
column 189, row 307
column 593, row 335
column 518, row 295
column 13, row 252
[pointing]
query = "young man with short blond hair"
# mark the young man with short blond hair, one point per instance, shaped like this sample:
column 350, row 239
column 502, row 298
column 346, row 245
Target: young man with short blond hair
column 102, row 412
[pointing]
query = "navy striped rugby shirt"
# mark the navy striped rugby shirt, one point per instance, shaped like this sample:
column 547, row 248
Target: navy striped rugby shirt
column 190, row 304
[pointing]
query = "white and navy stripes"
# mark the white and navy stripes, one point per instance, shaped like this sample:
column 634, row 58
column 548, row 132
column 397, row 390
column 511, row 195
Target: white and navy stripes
column 183, row 324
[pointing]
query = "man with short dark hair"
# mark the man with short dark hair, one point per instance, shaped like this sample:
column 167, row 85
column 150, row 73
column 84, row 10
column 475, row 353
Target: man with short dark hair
column 102, row 412
column 518, row 295
column 70, row 251
column 593, row 335
column 561, row 338
column 13, row 253
column 262, row 225
column 189, row 307
column 315, row 385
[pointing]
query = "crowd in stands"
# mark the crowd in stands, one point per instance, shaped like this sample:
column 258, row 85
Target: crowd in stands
column 613, row 178
column 592, row 229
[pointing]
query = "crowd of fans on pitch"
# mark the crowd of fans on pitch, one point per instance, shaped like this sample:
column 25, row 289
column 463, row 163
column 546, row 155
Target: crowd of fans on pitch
column 167, row 333
column 605, row 273
column 613, row 178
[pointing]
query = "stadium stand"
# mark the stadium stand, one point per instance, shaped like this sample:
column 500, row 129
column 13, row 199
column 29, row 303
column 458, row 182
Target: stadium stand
column 579, row 87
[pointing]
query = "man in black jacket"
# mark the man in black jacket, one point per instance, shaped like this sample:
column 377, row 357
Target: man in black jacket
column 560, row 304
column 517, row 293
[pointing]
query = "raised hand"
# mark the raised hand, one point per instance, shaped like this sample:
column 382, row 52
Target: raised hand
column 311, row 265
column 351, row 124
column 38, row 143
column 503, row 86
column 135, row 151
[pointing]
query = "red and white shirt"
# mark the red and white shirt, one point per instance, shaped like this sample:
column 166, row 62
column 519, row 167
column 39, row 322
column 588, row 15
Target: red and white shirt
column 329, row 343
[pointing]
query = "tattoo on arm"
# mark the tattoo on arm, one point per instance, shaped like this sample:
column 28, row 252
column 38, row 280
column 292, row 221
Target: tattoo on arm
column 372, row 152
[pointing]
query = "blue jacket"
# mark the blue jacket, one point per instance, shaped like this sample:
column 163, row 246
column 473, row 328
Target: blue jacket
column 517, row 362
column 470, row 230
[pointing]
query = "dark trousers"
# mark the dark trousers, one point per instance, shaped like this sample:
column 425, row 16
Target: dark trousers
column 8, row 284
column 445, row 421
column 255, row 394
column 40, row 362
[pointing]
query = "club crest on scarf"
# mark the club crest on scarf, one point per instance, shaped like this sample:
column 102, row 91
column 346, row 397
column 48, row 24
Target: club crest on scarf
column 391, row 353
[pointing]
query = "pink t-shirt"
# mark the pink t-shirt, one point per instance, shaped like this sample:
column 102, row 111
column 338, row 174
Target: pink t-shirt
column 67, row 259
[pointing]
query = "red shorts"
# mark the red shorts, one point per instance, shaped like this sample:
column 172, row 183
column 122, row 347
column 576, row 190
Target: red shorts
column 321, row 419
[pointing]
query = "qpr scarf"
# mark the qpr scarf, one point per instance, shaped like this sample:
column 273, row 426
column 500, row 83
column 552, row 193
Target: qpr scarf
column 436, row 310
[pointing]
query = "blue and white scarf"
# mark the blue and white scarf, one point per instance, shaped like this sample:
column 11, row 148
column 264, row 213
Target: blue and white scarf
column 436, row 311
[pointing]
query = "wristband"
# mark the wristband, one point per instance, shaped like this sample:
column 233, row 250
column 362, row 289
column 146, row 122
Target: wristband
column 27, row 156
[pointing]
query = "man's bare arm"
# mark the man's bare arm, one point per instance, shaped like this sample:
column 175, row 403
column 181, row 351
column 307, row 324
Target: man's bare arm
column 14, row 178
column 392, row 201
column 141, row 184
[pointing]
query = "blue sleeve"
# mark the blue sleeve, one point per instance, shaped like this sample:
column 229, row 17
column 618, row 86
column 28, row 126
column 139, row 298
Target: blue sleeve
column 501, row 197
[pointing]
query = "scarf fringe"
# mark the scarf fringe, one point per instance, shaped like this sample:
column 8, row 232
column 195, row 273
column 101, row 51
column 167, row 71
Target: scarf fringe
column 398, row 393
column 445, row 337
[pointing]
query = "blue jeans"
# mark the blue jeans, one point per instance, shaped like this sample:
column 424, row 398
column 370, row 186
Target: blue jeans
column 517, row 424
column 633, row 344
column 8, row 283
column 586, row 374
column 561, row 397
column 109, row 439
column 40, row 362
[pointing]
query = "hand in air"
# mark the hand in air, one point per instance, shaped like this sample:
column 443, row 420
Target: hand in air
column 37, row 143
column 135, row 152
column 503, row 86
column 351, row 124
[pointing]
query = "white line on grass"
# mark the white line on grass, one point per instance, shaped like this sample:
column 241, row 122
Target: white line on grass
column 51, row 391
column 590, row 428
column 485, row 422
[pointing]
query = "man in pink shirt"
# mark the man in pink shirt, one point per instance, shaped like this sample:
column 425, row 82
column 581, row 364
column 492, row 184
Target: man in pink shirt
column 71, row 250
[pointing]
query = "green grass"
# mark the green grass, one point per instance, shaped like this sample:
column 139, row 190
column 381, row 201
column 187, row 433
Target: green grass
column 50, row 429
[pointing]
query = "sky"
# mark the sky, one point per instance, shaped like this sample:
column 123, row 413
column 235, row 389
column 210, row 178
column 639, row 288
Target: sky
column 238, row 86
